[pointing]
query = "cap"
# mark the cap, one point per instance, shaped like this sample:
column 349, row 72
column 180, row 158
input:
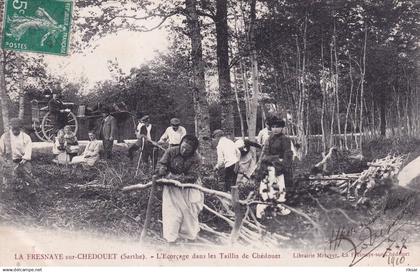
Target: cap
column 217, row 133
column 274, row 121
column 144, row 118
column 139, row 115
column 175, row 121
column 15, row 123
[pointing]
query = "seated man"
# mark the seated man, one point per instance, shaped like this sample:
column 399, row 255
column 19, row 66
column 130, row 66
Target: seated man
column 91, row 154
column 181, row 207
column 21, row 149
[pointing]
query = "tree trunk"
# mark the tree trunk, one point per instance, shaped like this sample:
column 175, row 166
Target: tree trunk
column 383, row 118
column 201, row 107
column 331, row 100
column 362, row 89
column 3, row 95
column 22, row 107
column 337, row 96
column 238, row 103
column 373, row 122
column 349, row 104
column 222, row 51
column 253, row 109
column 246, row 92
column 303, row 96
column 355, row 115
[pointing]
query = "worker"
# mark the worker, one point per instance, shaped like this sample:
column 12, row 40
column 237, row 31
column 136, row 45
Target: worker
column 173, row 134
column 181, row 206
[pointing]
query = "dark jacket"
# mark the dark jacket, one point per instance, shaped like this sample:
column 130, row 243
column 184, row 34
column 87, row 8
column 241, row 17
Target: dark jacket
column 279, row 146
column 108, row 127
column 55, row 105
column 173, row 162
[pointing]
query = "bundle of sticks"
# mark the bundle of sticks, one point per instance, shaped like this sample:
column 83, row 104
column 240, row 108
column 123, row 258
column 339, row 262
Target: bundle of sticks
column 379, row 171
column 238, row 214
column 357, row 185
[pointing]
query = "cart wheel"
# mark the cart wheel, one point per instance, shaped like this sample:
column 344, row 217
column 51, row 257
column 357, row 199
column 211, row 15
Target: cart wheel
column 36, row 125
column 49, row 128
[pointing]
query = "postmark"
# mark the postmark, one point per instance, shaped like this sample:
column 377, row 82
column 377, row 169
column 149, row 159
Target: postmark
column 37, row 26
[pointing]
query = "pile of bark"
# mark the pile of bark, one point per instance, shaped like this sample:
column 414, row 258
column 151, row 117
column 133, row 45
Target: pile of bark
column 356, row 186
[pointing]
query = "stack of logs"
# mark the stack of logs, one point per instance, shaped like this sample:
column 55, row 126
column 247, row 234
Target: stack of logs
column 357, row 185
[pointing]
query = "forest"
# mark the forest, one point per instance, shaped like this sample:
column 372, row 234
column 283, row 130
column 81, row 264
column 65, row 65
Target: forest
column 342, row 73
column 338, row 67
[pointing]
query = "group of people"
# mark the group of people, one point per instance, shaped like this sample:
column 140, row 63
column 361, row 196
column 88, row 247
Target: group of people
column 236, row 159
column 181, row 161
column 146, row 139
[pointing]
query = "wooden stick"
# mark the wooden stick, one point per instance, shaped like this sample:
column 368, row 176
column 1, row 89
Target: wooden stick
column 148, row 211
column 176, row 183
column 326, row 158
column 238, row 214
column 156, row 144
column 230, row 222
column 257, row 224
column 209, row 229
column 141, row 153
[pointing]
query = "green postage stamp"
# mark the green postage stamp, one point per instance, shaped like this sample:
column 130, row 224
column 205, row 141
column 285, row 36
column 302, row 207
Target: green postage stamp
column 37, row 25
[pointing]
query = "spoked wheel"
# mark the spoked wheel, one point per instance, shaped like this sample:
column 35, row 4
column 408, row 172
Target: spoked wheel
column 36, row 125
column 50, row 128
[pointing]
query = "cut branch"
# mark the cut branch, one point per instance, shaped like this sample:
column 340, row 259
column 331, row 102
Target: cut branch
column 178, row 184
column 326, row 157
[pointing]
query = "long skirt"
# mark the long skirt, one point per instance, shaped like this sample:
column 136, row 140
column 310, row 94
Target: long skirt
column 180, row 210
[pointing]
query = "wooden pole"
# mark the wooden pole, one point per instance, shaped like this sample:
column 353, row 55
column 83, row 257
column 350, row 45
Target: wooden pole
column 179, row 185
column 148, row 211
column 141, row 153
column 238, row 214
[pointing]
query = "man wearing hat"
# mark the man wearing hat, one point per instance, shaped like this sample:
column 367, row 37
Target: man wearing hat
column 227, row 158
column 108, row 130
column 173, row 134
column 145, row 133
column 21, row 147
column 57, row 110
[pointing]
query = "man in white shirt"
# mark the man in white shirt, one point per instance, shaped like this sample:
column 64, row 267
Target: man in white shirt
column 173, row 134
column 21, row 148
column 264, row 134
column 227, row 158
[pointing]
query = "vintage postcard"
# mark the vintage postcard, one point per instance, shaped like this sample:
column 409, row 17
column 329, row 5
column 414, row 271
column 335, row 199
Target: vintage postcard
column 209, row 133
